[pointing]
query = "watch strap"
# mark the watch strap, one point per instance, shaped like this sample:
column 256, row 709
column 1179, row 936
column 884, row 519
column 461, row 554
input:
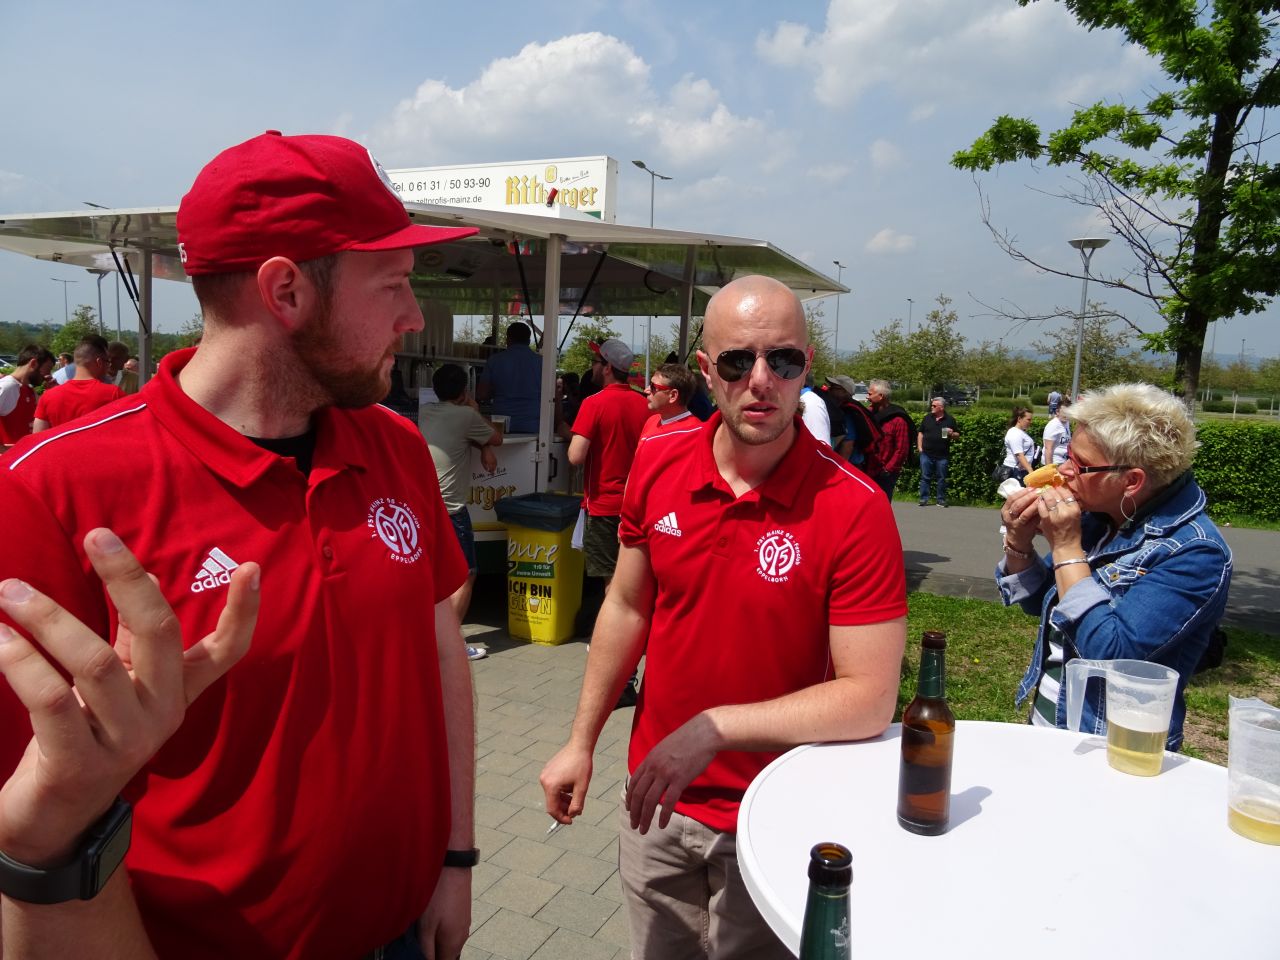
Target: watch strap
column 101, row 852
column 462, row 858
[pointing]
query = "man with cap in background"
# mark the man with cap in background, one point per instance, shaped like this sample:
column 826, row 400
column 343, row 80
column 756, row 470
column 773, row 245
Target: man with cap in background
column 315, row 797
column 860, row 432
column 605, row 432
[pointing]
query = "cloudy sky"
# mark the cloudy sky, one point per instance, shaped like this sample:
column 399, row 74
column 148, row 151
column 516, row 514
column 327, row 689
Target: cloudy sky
column 828, row 133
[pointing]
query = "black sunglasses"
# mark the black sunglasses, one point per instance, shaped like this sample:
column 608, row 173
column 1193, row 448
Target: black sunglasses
column 787, row 363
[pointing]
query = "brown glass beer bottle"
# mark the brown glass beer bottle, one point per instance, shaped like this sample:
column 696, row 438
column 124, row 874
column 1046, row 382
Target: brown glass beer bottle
column 928, row 735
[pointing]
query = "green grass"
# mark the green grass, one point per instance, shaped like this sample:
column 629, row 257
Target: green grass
column 1224, row 517
column 989, row 646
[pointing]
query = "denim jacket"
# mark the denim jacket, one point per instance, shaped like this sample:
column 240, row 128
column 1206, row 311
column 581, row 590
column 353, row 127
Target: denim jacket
column 1158, row 590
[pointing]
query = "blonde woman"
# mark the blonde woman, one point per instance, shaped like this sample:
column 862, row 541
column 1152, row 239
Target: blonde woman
column 1136, row 569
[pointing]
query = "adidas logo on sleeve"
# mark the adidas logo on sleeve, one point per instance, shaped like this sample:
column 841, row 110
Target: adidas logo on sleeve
column 668, row 525
column 214, row 572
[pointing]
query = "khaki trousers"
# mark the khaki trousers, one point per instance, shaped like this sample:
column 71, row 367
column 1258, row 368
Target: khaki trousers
column 685, row 897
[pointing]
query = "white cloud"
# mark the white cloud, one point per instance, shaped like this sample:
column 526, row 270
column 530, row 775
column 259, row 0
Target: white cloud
column 889, row 240
column 694, row 124
column 927, row 50
column 829, row 172
column 884, row 155
column 787, row 45
column 566, row 97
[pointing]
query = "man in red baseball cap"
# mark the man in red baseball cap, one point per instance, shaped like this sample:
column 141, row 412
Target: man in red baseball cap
column 175, row 789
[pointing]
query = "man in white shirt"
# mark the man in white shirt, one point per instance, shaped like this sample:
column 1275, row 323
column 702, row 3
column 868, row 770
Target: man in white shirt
column 66, row 369
column 814, row 412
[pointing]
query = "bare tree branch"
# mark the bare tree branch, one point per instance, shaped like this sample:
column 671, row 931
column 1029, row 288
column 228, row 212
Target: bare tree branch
column 1019, row 318
column 1008, row 244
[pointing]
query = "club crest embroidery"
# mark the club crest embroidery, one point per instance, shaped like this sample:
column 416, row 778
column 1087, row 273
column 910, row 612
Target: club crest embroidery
column 777, row 554
column 396, row 526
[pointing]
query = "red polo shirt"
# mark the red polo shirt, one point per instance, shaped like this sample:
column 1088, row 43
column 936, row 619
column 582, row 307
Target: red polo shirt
column 302, row 809
column 74, row 399
column 747, row 588
column 683, row 421
column 16, row 424
column 611, row 419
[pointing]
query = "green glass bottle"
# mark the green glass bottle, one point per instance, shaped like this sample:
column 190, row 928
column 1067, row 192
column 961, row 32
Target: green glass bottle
column 825, row 934
column 928, row 736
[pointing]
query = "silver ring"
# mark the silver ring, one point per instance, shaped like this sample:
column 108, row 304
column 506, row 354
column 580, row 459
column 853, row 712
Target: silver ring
column 1069, row 500
column 1055, row 506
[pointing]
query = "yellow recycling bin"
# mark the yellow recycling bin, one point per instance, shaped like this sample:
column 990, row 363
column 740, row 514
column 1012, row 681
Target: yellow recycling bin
column 544, row 572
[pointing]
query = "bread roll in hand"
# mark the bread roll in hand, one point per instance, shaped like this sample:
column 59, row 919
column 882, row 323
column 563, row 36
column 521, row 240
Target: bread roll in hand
column 1046, row 476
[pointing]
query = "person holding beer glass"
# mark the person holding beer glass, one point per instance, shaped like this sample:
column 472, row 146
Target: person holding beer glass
column 1136, row 569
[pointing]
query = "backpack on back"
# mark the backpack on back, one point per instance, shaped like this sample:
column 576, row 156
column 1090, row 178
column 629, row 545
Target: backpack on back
column 893, row 411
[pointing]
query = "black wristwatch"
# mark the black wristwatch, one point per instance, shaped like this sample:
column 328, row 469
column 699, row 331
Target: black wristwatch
column 84, row 877
column 462, row 858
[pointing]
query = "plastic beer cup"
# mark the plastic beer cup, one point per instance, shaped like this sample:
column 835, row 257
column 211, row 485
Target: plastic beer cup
column 1139, row 707
column 1253, row 770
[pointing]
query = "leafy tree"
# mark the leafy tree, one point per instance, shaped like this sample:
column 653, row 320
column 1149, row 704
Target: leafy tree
column 577, row 355
column 1155, row 370
column 1180, row 178
column 15, row 336
column 888, row 356
column 474, row 330
column 660, row 346
column 191, row 331
column 1103, row 360
column 1238, row 377
column 935, row 348
column 1267, row 379
column 1210, row 377
column 83, row 323
column 985, row 366
column 824, row 355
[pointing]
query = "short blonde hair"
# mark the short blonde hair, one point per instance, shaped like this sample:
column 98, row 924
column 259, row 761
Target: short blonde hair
column 1142, row 426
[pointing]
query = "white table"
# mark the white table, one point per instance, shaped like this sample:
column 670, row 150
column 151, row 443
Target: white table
column 1050, row 853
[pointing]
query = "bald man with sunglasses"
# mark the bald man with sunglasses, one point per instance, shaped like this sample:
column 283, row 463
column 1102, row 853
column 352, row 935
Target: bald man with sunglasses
column 762, row 579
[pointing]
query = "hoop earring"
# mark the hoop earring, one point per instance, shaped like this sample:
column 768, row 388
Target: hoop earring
column 1127, row 518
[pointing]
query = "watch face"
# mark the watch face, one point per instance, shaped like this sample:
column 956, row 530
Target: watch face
column 107, row 853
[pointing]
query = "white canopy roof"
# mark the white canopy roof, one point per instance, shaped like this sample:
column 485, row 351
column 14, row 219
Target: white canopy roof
column 643, row 272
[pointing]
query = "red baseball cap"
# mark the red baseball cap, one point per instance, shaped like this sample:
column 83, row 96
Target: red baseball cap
column 300, row 197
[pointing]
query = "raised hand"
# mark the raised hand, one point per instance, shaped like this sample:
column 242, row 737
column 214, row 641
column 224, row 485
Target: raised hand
column 94, row 734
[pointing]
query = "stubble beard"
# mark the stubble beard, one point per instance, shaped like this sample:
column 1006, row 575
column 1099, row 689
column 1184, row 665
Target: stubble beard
column 756, row 435
column 339, row 382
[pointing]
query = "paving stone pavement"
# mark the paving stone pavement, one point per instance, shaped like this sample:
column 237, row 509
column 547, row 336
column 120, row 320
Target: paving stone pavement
column 557, row 897
column 539, row 897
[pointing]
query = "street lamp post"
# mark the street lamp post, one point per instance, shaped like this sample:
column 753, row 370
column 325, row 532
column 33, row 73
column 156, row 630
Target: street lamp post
column 911, row 309
column 1235, row 391
column 66, row 315
column 100, row 273
column 654, row 177
column 1086, row 246
column 839, row 279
